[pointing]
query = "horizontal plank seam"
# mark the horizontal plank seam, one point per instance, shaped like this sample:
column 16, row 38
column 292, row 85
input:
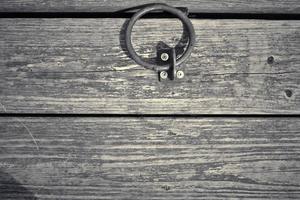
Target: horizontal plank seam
column 264, row 16
column 54, row 115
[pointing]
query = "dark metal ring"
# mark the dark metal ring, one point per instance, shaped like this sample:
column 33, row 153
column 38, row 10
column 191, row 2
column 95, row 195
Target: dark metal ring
column 178, row 13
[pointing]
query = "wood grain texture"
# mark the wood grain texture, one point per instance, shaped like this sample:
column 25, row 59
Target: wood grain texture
column 196, row 6
column 79, row 66
column 150, row 158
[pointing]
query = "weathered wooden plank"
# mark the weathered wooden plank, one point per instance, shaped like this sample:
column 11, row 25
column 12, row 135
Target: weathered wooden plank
column 79, row 66
column 202, row 6
column 150, row 158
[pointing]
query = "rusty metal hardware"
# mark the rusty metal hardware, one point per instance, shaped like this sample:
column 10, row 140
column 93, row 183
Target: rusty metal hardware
column 171, row 62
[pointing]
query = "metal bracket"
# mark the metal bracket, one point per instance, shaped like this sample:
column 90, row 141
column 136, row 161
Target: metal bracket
column 173, row 72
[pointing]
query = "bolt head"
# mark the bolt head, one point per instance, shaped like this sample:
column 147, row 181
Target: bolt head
column 164, row 56
column 179, row 74
column 163, row 75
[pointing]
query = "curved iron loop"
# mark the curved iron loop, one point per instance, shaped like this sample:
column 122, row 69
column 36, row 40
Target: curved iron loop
column 178, row 13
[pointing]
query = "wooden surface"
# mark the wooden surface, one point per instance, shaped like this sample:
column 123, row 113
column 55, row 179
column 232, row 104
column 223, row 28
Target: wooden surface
column 150, row 158
column 202, row 6
column 79, row 66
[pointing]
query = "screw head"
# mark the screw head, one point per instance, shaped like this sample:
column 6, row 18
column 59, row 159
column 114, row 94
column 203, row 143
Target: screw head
column 164, row 56
column 163, row 75
column 179, row 74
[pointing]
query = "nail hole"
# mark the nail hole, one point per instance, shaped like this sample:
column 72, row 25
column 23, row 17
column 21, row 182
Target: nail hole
column 271, row 60
column 288, row 93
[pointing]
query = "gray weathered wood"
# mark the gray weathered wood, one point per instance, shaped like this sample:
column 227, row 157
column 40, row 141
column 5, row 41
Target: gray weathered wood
column 78, row 66
column 203, row 6
column 150, row 158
